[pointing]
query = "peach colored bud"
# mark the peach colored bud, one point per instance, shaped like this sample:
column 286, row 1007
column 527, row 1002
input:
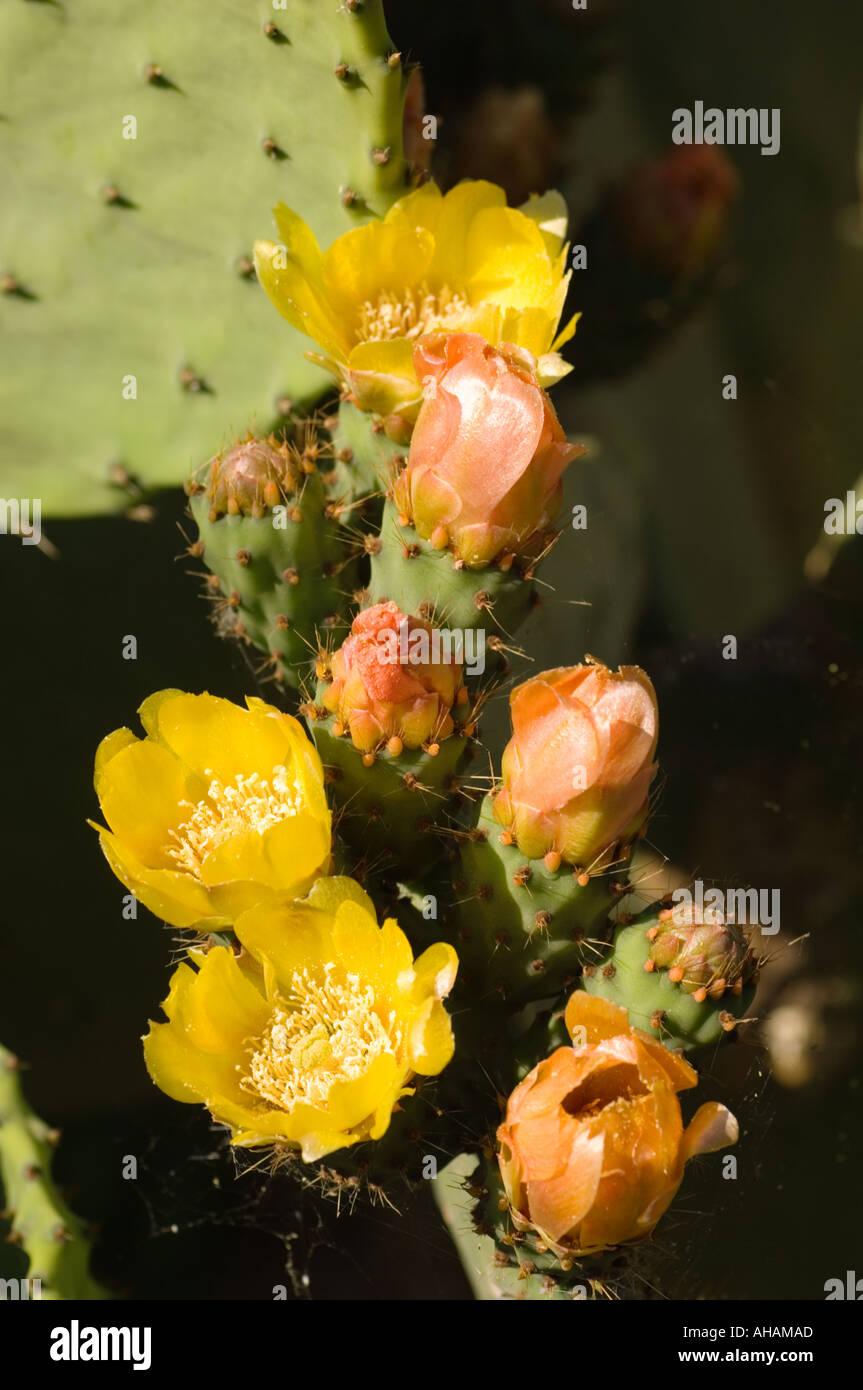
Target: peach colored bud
column 578, row 768
column 487, row 451
column 593, row 1146
column 391, row 680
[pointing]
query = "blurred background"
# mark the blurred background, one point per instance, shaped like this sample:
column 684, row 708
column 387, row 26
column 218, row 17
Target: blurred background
column 705, row 519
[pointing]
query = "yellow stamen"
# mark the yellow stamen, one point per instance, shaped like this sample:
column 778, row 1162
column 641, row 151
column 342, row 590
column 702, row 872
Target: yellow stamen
column 252, row 803
column 326, row 1030
column 407, row 315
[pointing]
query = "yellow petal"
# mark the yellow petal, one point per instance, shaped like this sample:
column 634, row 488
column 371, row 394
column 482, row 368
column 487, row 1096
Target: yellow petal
column 420, row 208
column 290, row 937
column 532, row 329
column 176, row 1065
column 141, row 791
column 461, row 211
column 506, row 261
column 430, row 1040
column 224, row 1008
column 148, row 712
column 351, row 1102
column 567, row 332
column 214, row 735
column 382, row 376
column 285, row 857
column 297, row 300
column 357, row 942
column 300, row 242
column 173, row 896
column 549, row 211
column 110, row 746
column 366, row 260
column 397, row 958
column 328, row 894
column 435, row 972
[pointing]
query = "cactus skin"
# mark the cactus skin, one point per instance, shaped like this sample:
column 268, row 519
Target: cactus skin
column 50, row 1234
column 364, row 460
column 151, row 276
column 388, row 812
column 423, row 580
column 673, row 1012
column 284, row 586
column 524, row 935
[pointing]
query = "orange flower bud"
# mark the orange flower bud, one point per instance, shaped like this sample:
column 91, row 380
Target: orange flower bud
column 394, row 678
column 487, row 451
column 593, row 1146
column 578, row 768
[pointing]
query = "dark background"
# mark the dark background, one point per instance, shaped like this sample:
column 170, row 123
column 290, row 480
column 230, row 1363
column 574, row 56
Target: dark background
column 703, row 513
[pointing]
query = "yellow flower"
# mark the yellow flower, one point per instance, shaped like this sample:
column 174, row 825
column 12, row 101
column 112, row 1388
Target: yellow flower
column 462, row 261
column 217, row 809
column 310, row 1037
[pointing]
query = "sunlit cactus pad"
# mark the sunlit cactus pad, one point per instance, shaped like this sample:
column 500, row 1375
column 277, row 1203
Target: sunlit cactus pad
column 128, row 257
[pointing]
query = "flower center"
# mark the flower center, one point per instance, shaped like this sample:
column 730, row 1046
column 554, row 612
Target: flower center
column 325, row 1030
column 407, row 315
column 252, row 803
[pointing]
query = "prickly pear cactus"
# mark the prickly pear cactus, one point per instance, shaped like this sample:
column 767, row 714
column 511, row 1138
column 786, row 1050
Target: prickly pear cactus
column 366, row 868
column 53, row 1238
column 130, row 215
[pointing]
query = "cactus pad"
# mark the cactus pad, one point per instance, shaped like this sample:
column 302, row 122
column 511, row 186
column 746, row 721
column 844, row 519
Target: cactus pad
column 141, row 336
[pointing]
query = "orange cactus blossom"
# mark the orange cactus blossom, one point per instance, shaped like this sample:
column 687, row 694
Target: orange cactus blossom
column 487, row 453
column 391, row 682
column 593, row 1147
column 578, row 768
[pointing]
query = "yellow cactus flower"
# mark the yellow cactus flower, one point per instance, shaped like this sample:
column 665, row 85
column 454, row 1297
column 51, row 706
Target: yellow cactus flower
column 461, row 261
column 313, row 1034
column 217, row 809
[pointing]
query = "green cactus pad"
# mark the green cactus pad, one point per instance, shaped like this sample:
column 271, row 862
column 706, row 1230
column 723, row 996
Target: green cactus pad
column 130, row 258
column 524, row 930
column 654, row 1002
column 392, row 812
column 364, row 459
column 424, row 581
column 503, row 1263
column 284, row 590
column 50, row 1234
